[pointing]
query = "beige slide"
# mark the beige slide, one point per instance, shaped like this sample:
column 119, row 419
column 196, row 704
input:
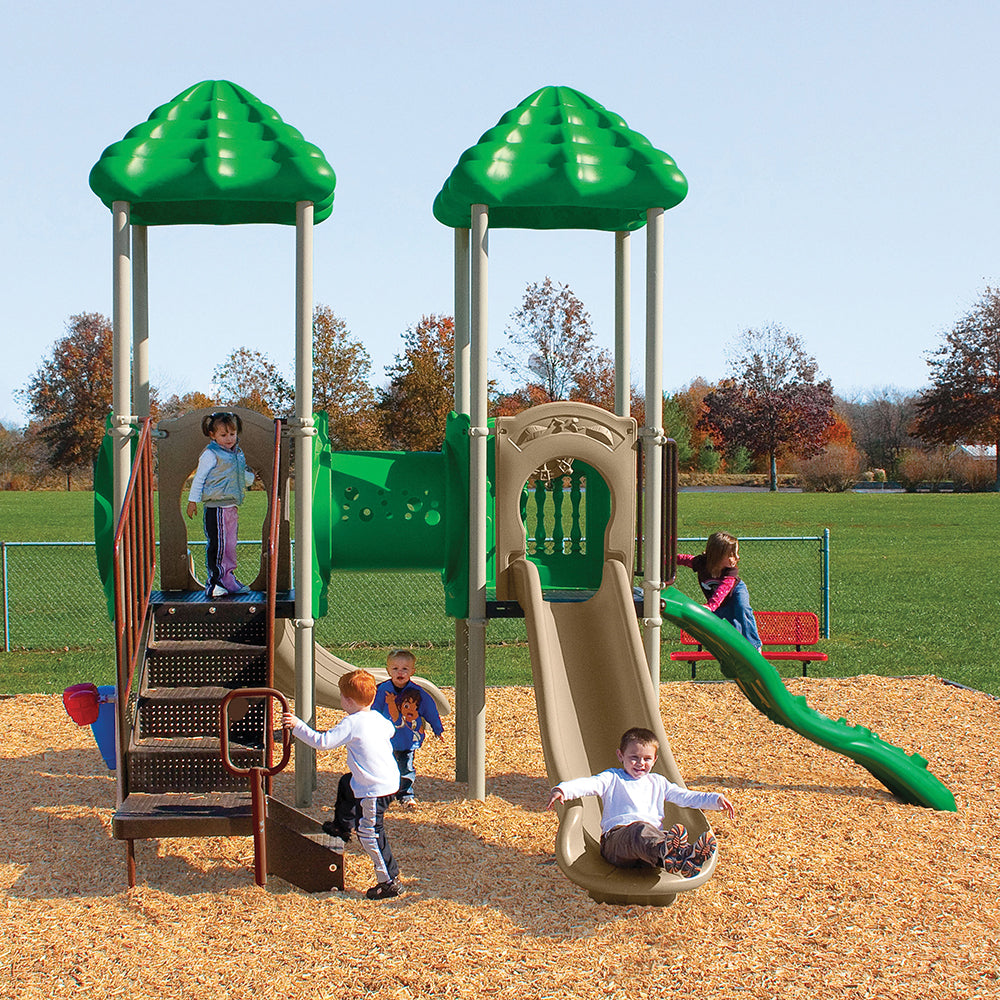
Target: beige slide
column 329, row 670
column 591, row 684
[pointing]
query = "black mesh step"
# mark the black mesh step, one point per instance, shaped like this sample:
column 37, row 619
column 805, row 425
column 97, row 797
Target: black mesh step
column 194, row 711
column 176, row 663
column 191, row 764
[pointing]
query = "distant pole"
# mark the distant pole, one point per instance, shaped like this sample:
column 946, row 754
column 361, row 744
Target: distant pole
column 304, row 431
column 653, row 438
column 623, row 324
column 121, row 324
column 463, row 367
column 121, row 409
column 476, row 697
column 140, row 307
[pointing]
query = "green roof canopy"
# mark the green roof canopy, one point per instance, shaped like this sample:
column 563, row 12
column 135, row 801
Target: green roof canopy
column 560, row 160
column 214, row 155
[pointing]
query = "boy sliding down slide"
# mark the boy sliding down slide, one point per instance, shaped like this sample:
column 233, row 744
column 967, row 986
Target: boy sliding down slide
column 632, row 834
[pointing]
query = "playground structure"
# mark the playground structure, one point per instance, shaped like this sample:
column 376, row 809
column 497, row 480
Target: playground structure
column 567, row 163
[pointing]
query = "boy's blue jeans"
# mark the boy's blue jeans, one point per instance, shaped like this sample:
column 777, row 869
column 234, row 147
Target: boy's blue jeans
column 736, row 610
column 407, row 774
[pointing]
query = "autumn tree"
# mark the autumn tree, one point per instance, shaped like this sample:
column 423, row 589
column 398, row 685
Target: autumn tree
column 772, row 401
column 341, row 384
column 881, row 423
column 550, row 340
column 70, row 393
column 691, row 403
column 420, row 394
column 963, row 402
column 176, row 406
column 22, row 461
column 250, row 379
column 676, row 426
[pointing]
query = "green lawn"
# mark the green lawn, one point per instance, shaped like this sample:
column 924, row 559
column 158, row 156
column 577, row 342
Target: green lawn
column 913, row 582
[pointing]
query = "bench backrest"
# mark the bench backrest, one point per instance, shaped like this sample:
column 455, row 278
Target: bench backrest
column 779, row 628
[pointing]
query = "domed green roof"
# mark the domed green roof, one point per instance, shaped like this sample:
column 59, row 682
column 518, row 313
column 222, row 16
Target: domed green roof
column 214, row 155
column 560, row 160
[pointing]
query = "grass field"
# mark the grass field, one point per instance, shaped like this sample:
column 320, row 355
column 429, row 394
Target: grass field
column 913, row 584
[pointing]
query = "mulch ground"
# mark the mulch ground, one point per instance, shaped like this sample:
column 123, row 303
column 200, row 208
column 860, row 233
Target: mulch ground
column 826, row 886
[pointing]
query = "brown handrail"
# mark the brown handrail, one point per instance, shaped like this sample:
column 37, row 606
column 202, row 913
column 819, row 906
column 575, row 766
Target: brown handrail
column 259, row 776
column 134, row 563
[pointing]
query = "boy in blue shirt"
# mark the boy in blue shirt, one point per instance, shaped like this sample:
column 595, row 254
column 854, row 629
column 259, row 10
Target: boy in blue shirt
column 410, row 709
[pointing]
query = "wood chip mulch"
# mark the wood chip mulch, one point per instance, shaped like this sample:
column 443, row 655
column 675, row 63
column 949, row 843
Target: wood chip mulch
column 826, row 887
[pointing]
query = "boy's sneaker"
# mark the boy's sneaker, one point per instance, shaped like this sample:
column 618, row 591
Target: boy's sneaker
column 385, row 890
column 217, row 591
column 704, row 848
column 333, row 829
column 674, row 850
column 675, row 844
column 241, row 589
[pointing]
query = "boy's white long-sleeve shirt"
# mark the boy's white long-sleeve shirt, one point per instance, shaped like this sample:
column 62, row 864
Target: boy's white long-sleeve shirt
column 635, row 800
column 366, row 735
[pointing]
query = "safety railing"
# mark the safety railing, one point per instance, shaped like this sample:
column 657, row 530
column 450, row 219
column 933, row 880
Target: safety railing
column 134, row 563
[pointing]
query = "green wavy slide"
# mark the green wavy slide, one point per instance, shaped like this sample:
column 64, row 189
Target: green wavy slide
column 905, row 775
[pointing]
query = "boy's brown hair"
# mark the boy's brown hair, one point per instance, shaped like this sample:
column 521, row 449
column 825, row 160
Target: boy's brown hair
column 637, row 734
column 359, row 686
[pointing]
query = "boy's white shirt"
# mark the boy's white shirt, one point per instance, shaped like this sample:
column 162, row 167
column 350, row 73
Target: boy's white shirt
column 635, row 800
column 366, row 734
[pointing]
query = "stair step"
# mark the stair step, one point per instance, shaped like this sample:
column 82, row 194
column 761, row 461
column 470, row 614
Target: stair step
column 175, row 663
column 239, row 618
column 188, row 764
column 194, row 711
column 180, row 814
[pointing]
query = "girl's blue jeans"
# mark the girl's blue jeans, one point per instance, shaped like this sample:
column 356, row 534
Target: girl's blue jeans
column 736, row 610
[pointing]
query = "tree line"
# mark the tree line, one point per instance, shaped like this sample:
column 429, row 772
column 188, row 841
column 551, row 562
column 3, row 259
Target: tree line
column 772, row 410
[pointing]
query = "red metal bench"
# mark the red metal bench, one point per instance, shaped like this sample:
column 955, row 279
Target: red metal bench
column 776, row 628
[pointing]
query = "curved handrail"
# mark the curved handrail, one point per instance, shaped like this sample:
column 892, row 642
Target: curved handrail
column 286, row 734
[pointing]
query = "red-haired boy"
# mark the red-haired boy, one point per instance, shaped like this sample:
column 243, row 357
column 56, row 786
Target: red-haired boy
column 372, row 779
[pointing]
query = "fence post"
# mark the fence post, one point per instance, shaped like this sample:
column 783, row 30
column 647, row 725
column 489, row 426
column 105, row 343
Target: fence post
column 6, row 606
column 825, row 558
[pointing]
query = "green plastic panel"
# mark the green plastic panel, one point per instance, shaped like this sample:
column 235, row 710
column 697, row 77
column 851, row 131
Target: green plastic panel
column 559, row 160
column 387, row 510
column 322, row 541
column 214, row 155
column 104, row 512
column 455, row 571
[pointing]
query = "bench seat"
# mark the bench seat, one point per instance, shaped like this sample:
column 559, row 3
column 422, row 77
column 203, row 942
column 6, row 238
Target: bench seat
column 776, row 628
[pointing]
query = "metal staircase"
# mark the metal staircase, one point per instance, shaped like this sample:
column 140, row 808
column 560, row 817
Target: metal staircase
column 180, row 657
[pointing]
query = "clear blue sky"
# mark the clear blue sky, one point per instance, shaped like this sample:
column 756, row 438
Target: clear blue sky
column 842, row 159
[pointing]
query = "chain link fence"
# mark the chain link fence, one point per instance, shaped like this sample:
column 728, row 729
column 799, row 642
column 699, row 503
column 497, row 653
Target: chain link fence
column 782, row 574
column 52, row 597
